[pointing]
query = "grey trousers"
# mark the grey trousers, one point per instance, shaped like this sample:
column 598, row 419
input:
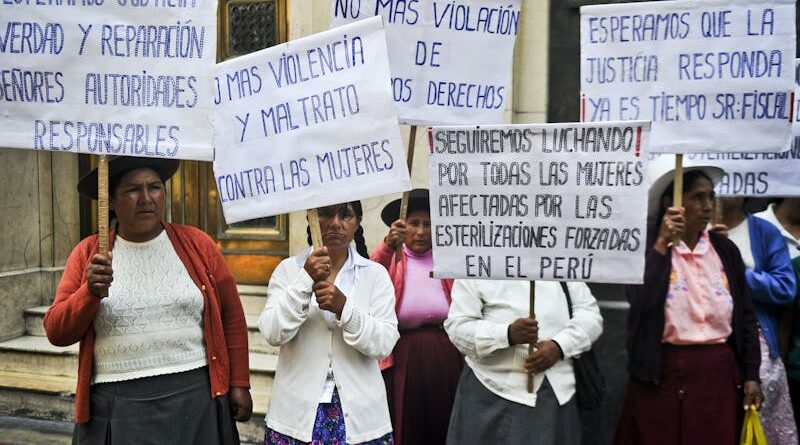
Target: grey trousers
column 480, row 417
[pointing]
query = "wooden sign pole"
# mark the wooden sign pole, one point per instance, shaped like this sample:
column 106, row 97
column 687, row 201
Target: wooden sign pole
column 677, row 192
column 102, row 206
column 412, row 137
column 316, row 231
column 531, row 346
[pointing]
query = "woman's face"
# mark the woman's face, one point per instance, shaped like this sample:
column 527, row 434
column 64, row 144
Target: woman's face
column 698, row 202
column 418, row 231
column 138, row 201
column 339, row 224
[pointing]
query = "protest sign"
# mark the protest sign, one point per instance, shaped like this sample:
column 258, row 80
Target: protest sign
column 796, row 110
column 754, row 174
column 540, row 202
column 306, row 124
column 712, row 76
column 450, row 61
column 757, row 174
column 120, row 77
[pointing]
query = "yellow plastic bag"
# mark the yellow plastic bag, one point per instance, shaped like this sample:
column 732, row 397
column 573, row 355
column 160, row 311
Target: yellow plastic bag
column 752, row 432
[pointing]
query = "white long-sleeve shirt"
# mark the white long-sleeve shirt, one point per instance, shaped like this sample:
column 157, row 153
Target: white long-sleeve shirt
column 310, row 345
column 481, row 312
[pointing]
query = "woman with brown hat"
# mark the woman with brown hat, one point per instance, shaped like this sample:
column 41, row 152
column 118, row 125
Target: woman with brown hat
column 692, row 336
column 163, row 340
column 422, row 373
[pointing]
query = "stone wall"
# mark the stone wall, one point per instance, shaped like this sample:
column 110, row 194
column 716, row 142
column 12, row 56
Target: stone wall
column 39, row 226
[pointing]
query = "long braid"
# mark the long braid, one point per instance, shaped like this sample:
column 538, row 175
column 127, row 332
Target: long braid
column 361, row 244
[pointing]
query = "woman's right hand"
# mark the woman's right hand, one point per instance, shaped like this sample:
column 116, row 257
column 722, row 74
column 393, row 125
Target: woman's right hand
column 523, row 330
column 672, row 226
column 397, row 234
column 99, row 275
column 318, row 264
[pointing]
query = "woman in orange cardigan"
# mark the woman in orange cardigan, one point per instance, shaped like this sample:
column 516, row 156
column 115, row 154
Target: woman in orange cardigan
column 163, row 340
column 422, row 374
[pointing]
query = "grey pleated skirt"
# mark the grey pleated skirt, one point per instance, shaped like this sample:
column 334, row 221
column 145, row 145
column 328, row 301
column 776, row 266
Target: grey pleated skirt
column 481, row 417
column 171, row 409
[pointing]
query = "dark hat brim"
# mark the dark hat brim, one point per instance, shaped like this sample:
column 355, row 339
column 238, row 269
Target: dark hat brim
column 118, row 165
column 418, row 199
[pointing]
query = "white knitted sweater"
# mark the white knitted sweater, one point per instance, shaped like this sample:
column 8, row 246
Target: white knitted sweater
column 151, row 322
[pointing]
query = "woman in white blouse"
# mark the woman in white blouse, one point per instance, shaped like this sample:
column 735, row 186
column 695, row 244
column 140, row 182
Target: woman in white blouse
column 488, row 322
column 331, row 311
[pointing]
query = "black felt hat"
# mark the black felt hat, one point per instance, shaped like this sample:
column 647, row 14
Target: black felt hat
column 418, row 199
column 119, row 165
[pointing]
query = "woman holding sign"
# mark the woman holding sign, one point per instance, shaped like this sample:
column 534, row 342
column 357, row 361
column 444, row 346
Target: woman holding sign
column 692, row 334
column 163, row 340
column 488, row 322
column 422, row 373
column 331, row 311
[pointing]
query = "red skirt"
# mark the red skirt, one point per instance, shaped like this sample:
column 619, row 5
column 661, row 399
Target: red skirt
column 421, row 386
column 696, row 402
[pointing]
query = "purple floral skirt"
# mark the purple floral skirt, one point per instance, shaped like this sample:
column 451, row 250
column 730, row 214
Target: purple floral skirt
column 328, row 428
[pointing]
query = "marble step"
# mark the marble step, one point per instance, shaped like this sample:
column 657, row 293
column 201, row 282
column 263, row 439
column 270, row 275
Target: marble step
column 45, row 364
column 34, row 317
column 253, row 298
column 37, row 380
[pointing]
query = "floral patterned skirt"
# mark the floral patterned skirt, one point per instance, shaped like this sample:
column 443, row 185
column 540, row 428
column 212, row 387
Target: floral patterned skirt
column 328, row 429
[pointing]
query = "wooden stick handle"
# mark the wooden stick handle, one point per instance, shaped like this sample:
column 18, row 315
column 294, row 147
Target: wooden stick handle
column 102, row 206
column 677, row 192
column 316, row 231
column 717, row 219
column 412, row 137
column 531, row 346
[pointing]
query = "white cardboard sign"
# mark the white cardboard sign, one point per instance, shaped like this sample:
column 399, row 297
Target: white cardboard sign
column 306, row 124
column 712, row 76
column 450, row 61
column 760, row 175
column 540, row 202
column 120, row 77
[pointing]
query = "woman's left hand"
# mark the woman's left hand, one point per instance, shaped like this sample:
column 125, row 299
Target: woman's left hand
column 753, row 395
column 241, row 403
column 329, row 297
column 547, row 353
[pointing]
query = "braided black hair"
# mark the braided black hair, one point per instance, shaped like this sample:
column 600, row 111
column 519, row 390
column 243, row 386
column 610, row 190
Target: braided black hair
column 358, row 237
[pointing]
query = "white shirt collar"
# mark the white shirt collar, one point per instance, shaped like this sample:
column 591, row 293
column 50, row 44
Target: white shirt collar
column 769, row 215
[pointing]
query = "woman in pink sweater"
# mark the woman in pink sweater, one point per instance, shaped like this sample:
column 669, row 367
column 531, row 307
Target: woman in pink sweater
column 422, row 373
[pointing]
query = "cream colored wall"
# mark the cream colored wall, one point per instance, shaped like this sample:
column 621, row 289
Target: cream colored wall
column 529, row 103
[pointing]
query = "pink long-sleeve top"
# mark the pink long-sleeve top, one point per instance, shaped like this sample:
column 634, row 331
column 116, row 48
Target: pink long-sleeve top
column 424, row 303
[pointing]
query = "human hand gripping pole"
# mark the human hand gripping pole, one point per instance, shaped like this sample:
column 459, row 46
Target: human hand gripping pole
column 99, row 273
column 318, row 266
column 412, row 136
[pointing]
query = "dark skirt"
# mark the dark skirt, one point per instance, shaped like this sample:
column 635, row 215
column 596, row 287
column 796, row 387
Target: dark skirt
column 162, row 410
column 421, row 386
column 482, row 417
column 696, row 402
